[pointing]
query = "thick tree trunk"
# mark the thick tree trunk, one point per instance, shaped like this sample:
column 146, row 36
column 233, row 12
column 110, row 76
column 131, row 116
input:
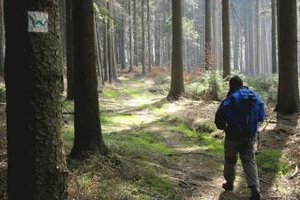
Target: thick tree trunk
column 177, row 85
column 226, row 38
column 70, row 50
column 288, row 89
column 88, row 137
column 36, row 162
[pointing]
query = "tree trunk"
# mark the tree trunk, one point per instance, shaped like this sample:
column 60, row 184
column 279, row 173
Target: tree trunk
column 2, row 39
column 36, row 162
column 88, row 137
column 130, row 38
column 288, row 90
column 149, row 36
column 208, row 36
column 157, row 39
column 70, row 51
column 226, row 38
column 258, row 52
column 110, row 44
column 122, row 43
column 177, row 85
column 105, row 51
column 274, row 41
column 135, row 35
column 143, row 38
column 97, row 52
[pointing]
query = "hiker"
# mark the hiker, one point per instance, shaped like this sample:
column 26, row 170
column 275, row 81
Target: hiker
column 239, row 115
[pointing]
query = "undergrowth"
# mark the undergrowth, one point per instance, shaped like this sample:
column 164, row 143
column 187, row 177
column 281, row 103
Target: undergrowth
column 211, row 86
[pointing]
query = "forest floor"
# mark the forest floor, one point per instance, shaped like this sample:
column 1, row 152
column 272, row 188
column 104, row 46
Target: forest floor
column 170, row 150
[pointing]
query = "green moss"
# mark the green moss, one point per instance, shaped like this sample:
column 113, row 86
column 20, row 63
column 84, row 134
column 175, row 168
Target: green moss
column 68, row 106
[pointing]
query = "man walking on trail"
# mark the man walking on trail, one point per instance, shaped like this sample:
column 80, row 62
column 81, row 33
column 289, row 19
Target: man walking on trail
column 239, row 115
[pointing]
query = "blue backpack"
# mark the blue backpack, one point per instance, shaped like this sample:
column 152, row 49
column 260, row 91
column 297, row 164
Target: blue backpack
column 242, row 111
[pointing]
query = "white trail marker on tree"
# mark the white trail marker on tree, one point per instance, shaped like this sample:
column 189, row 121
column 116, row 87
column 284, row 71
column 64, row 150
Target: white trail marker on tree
column 37, row 22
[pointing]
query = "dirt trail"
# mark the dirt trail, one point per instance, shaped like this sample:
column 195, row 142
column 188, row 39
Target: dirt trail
column 199, row 175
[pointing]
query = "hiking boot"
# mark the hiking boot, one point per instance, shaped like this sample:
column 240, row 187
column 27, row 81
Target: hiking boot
column 227, row 186
column 255, row 193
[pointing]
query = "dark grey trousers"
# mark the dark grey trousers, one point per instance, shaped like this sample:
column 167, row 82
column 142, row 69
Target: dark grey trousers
column 246, row 151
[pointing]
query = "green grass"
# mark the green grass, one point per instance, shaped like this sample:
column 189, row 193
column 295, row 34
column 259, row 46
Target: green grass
column 271, row 160
column 212, row 145
column 186, row 131
column 203, row 138
column 111, row 93
column 137, row 144
column 161, row 185
column 135, row 92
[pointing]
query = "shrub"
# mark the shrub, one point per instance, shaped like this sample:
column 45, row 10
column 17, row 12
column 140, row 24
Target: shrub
column 208, row 87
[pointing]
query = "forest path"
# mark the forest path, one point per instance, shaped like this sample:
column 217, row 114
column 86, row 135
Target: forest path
column 194, row 160
column 170, row 150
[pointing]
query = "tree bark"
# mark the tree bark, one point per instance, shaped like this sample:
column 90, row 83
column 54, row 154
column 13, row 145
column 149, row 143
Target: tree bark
column 135, row 55
column 288, row 89
column 36, row 162
column 88, row 136
column 208, row 36
column 143, row 39
column 274, row 41
column 226, row 38
column 122, row 45
column 130, row 37
column 177, row 85
column 149, row 36
column 2, row 39
column 110, row 44
column 70, row 50
column 258, row 46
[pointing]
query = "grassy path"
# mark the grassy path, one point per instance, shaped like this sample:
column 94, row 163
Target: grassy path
column 161, row 150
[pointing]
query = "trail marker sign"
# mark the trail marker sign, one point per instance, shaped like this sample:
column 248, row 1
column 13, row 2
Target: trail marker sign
column 37, row 22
